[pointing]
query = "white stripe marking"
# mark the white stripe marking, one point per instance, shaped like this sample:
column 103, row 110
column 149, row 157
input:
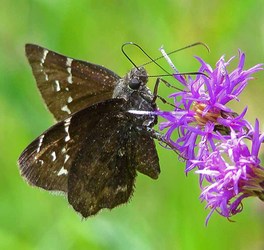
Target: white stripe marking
column 40, row 142
column 66, row 128
column 53, row 154
column 66, row 109
column 62, row 171
column 57, row 85
column 67, row 138
column 63, row 150
column 68, row 121
column 45, row 52
column 66, row 158
column 68, row 64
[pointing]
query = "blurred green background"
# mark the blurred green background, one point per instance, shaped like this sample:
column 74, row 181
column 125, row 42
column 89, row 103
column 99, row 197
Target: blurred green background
column 163, row 214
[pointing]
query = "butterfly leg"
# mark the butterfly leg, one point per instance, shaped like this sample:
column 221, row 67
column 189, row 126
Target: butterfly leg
column 160, row 137
column 155, row 92
column 162, row 140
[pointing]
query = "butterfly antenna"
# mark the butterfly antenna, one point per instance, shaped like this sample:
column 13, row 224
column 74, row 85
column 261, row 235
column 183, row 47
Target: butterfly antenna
column 182, row 74
column 144, row 52
column 123, row 51
column 177, row 50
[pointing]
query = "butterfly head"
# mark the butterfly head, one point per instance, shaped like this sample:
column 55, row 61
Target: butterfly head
column 137, row 78
column 134, row 82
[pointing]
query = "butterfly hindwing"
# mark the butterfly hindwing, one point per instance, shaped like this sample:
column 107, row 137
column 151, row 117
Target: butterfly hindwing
column 147, row 160
column 105, row 179
column 68, row 85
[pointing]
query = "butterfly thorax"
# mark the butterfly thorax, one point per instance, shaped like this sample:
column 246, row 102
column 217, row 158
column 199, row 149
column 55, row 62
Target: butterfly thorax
column 133, row 89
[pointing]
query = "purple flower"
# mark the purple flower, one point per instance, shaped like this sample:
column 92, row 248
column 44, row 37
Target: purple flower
column 231, row 173
column 201, row 118
column 213, row 139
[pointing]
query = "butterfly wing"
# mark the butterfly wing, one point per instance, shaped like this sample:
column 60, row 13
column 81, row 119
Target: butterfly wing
column 48, row 159
column 93, row 161
column 145, row 154
column 103, row 173
column 68, row 85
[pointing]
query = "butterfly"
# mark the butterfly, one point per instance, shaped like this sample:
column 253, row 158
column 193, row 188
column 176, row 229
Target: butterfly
column 99, row 143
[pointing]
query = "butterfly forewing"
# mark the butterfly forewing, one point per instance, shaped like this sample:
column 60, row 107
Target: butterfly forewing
column 44, row 163
column 68, row 85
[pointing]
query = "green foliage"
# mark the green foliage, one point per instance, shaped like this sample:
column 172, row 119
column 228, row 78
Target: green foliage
column 163, row 214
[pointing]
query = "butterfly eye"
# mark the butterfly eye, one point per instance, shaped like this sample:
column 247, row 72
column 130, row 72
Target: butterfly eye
column 134, row 83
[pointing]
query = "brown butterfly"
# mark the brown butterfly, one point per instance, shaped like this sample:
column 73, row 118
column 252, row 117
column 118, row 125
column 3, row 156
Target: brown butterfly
column 93, row 153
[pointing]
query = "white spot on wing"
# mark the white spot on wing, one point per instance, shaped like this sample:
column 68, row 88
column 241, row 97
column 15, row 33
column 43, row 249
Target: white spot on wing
column 68, row 64
column 67, row 123
column 57, row 86
column 45, row 52
column 39, row 161
column 69, row 99
column 53, row 154
column 62, row 171
column 40, row 142
column 67, row 138
column 66, row 109
column 66, row 158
